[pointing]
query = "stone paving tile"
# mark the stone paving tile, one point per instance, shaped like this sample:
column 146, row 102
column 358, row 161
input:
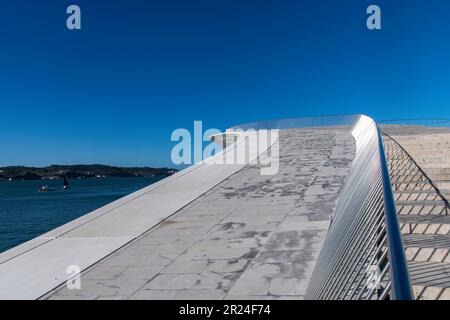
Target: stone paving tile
column 204, row 280
column 250, row 237
column 254, row 221
column 212, row 206
column 205, row 214
column 197, row 218
column 97, row 288
column 138, row 260
column 175, row 239
column 140, row 249
column 141, row 272
column 227, row 266
column 168, row 249
column 265, row 209
column 146, row 294
column 445, row 294
column 311, row 230
column 180, row 230
column 105, row 273
column 186, row 266
column 200, row 294
column 250, row 287
column 112, row 298
column 265, row 270
column 250, row 297
column 233, row 242
column 234, row 239
column 214, row 253
column 287, row 287
column 242, row 227
column 294, row 255
column 299, row 297
column 72, row 297
column 280, row 269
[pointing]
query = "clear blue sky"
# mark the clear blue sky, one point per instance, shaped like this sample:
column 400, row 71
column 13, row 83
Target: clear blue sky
column 113, row 92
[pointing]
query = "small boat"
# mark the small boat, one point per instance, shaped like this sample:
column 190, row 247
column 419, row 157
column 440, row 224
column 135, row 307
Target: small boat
column 66, row 183
column 45, row 188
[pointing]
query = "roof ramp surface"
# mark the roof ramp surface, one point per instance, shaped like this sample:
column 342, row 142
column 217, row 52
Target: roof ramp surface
column 321, row 226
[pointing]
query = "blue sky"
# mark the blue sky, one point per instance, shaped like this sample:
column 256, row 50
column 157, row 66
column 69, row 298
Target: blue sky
column 113, row 92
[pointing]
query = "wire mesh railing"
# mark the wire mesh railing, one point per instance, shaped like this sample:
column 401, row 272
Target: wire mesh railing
column 414, row 126
column 428, row 122
column 415, row 192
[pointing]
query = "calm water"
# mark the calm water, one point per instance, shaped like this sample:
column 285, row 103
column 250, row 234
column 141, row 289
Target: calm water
column 26, row 213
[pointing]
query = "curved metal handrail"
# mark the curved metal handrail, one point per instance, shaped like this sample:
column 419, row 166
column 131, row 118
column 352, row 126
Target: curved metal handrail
column 364, row 232
column 401, row 288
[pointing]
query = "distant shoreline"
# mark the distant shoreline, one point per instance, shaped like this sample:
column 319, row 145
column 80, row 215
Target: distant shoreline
column 79, row 172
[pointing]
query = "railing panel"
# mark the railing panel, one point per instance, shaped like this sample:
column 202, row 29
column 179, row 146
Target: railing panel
column 363, row 256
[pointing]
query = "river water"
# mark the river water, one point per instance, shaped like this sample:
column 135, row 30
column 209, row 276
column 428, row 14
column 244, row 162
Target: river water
column 26, row 213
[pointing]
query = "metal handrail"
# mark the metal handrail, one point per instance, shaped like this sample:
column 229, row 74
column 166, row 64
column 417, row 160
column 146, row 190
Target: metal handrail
column 364, row 231
column 401, row 287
